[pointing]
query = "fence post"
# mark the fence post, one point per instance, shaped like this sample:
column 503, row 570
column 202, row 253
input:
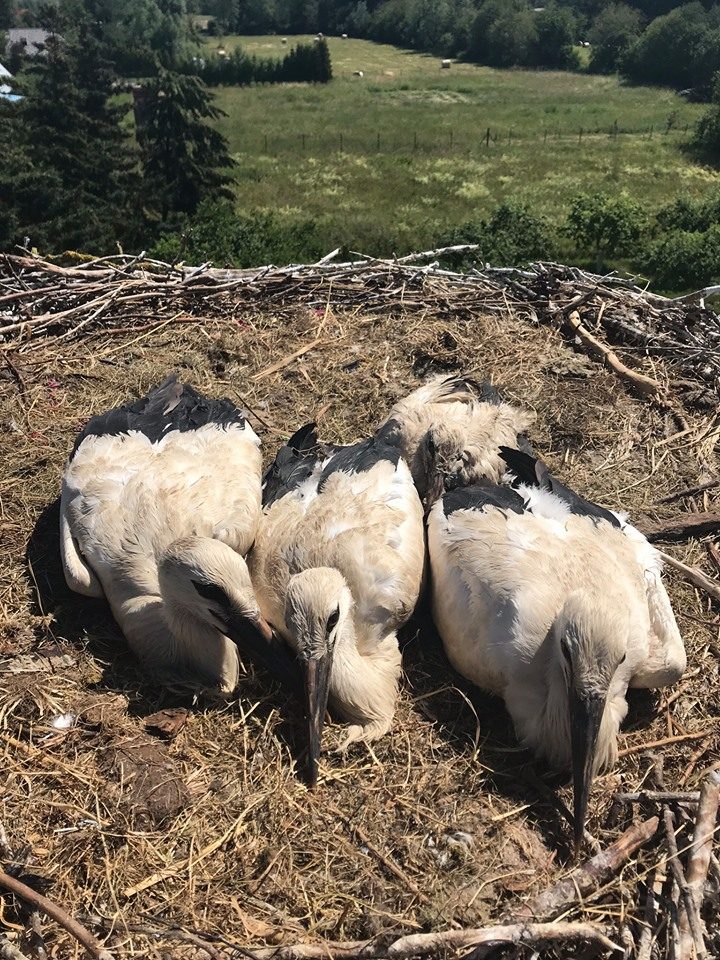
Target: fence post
column 415, row 141
column 378, row 140
column 303, row 140
column 341, row 143
column 487, row 137
column 652, row 127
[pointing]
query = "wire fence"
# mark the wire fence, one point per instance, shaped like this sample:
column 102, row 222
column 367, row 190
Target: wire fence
column 481, row 139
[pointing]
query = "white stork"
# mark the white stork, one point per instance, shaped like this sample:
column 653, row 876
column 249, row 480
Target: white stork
column 337, row 568
column 160, row 502
column 453, row 426
column 555, row 604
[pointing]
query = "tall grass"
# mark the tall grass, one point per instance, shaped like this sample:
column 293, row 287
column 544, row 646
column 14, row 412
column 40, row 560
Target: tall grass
column 390, row 159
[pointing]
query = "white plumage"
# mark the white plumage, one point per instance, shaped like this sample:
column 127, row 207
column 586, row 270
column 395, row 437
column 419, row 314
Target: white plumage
column 456, row 426
column 554, row 604
column 337, row 568
column 160, row 502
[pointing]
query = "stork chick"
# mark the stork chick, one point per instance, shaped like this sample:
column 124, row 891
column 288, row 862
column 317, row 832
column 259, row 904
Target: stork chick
column 457, row 425
column 555, row 604
column 160, row 502
column 337, row 568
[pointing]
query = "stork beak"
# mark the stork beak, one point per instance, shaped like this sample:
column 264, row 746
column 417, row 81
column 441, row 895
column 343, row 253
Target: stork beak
column 317, row 688
column 257, row 639
column 585, row 719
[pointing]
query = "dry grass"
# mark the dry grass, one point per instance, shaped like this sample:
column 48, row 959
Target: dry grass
column 235, row 845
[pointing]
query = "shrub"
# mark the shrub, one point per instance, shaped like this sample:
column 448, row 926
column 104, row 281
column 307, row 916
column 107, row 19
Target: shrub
column 602, row 225
column 513, row 236
column 685, row 259
column 218, row 233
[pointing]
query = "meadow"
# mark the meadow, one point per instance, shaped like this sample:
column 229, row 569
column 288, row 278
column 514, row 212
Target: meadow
column 389, row 160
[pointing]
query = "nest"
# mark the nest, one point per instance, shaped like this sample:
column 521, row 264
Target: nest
column 178, row 828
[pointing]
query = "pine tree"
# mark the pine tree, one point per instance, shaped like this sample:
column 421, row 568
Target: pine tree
column 323, row 68
column 74, row 183
column 185, row 159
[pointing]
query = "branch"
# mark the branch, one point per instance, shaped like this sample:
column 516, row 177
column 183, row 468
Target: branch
column 658, row 796
column 682, row 527
column 434, row 944
column 695, row 576
column 586, row 879
column 645, row 386
column 699, row 856
column 691, row 910
column 691, row 491
column 55, row 912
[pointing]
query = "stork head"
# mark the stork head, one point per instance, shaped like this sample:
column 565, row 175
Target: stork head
column 317, row 610
column 593, row 639
column 204, row 580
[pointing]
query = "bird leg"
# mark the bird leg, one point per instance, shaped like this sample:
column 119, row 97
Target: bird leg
column 357, row 733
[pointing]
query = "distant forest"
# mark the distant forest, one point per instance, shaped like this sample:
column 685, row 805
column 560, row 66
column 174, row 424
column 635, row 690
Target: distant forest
column 647, row 41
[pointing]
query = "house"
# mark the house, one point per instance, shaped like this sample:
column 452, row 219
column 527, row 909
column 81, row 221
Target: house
column 30, row 40
column 5, row 88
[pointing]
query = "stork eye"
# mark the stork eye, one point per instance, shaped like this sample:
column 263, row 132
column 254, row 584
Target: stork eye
column 333, row 620
column 622, row 659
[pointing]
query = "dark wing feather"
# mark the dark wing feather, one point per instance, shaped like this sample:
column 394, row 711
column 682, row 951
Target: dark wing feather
column 170, row 406
column 294, row 463
column 481, row 495
column 533, row 472
column 362, row 456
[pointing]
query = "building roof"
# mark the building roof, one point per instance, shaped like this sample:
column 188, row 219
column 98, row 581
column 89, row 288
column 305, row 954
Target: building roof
column 32, row 38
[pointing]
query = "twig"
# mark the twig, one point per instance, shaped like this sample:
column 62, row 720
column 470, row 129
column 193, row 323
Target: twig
column 281, row 364
column 691, row 491
column 658, row 796
column 639, row 747
column 433, row 944
column 56, row 913
column 696, row 577
column 691, row 909
column 645, row 386
column 699, row 855
column 585, row 879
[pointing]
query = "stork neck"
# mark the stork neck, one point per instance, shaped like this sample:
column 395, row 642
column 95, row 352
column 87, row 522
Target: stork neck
column 364, row 678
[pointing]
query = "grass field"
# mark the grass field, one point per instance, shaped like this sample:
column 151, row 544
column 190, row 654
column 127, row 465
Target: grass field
column 392, row 158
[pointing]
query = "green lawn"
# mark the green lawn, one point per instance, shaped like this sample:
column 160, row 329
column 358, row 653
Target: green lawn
column 391, row 158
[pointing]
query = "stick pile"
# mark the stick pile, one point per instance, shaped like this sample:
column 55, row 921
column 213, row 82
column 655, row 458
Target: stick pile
column 42, row 303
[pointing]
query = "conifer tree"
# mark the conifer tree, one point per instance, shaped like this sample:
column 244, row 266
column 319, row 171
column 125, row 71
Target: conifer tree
column 74, row 180
column 185, row 159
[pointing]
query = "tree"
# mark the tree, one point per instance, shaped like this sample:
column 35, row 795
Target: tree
column 602, row 225
column 7, row 14
column 185, row 159
column 612, row 34
column 72, row 171
column 665, row 54
column 555, row 35
column 706, row 140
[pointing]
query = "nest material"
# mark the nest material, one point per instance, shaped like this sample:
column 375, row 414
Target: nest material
column 158, row 829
